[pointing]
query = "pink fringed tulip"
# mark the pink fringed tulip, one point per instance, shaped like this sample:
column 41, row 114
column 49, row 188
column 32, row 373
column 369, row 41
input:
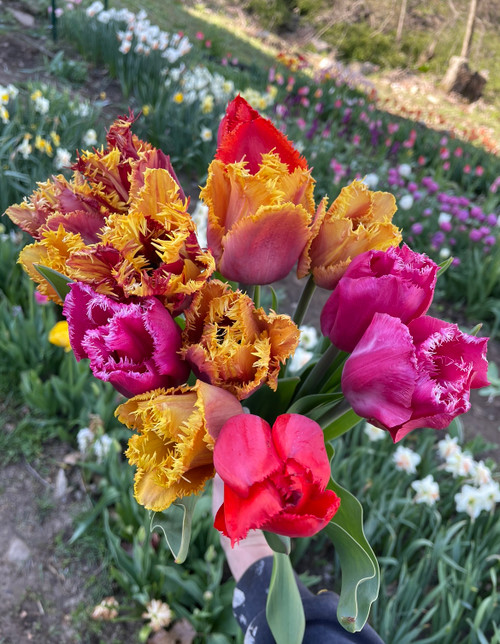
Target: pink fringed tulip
column 259, row 194
column 279, row 484
column 403, row 377
column 134, row 346
column 398, row 282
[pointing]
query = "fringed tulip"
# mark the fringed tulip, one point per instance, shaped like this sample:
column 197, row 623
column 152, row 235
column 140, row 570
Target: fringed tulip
column 281, row 478
column 259, row 194
column 231, row 344
column 132, row 345
column 173, row 449
column 398, row 282
column 403, row 377
column 357, row 221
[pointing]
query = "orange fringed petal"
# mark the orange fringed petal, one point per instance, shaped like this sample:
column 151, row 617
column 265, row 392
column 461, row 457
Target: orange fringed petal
column 231, row 344
column 173, row 450
column 358, row 220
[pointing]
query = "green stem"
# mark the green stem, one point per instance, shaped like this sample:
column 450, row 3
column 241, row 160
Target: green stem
column 249, row 289
column 256, row 296
column 311, row 384
column 303, row 303
column 339, row 421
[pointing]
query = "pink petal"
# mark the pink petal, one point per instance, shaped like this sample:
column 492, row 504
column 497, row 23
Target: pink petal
column 379, row 376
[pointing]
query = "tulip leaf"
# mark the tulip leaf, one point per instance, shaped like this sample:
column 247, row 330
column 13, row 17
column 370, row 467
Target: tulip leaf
column 307, row 404
column 59, row 282
column 278, row 542
column 335, row 424
column 445, row 265
column 360, row 570
column 270, row 404
column 176, row 526
column 284, row 610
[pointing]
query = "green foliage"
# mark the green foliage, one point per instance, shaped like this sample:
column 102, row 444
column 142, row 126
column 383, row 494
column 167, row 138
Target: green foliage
column 273, row 14
column 63, row 67
column 358, row 42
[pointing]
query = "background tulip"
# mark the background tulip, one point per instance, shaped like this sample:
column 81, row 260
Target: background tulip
column 403, row 377
column 398, row 282
column 280, row 482
column 132, row 345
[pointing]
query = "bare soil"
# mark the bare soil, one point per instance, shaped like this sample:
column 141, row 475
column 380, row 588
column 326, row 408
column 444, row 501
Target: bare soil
column 48, row 590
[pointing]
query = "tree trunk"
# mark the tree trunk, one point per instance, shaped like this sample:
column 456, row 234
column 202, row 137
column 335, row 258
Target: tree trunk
column 469, row 29
column 402, row 14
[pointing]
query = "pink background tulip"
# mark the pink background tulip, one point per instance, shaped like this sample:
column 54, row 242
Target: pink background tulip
column 132, row 345
column 279, row 484
column 398, row 282
column 402, row 377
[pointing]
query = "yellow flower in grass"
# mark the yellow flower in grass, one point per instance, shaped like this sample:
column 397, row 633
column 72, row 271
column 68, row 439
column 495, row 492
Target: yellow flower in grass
column 178, row 98
column 4, row 114
column 56, row 139
column 59, row 335
column 36, row 95
column 233, row 345
column 173, row 449
column 357, row 221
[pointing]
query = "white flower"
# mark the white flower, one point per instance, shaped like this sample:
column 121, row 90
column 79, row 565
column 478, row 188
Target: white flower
column 489, row 495
column 82, row 109
column 427, row 490
column 371, row 180
column 460, row 464
column 4, row 114
column 12, row 91
column 158, row 613
column 94, row 8
column 482, row 474
column 308, row 336
column 84, row 439
column 106, row 610
column 444, row 253
column 102, row 446
column 404, row 170
column 62, row 158
column 90, row 137
column 374, row 433
column 25, row 148
column 206, row 134
column 406, row 460
column 406, row 202
column 200, row 218
column 444, row 218
column 42, row 104
column 300, row 358
column 469, row 500
column 448, row 446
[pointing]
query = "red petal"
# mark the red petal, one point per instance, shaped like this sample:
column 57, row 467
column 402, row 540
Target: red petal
column 300, row 438
column 244, row 134
column 320, row 514
column 244, row 453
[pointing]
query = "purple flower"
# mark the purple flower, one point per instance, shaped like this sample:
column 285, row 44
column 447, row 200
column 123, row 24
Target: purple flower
column 132, row 345
column 398, row 281
column 403, row 377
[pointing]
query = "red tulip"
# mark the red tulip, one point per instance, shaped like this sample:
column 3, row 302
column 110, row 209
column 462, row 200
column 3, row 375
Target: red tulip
column 398, row 282
column 403, row 377
column 274, row 478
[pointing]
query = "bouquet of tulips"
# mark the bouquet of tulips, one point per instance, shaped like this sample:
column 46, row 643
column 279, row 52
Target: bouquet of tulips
column 178, row 330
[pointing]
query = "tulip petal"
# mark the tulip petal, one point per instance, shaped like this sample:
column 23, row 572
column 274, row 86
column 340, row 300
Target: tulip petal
column 318, row 514
column 271, row 240
column 245, row 439
column 379, row 376
column 301, row 439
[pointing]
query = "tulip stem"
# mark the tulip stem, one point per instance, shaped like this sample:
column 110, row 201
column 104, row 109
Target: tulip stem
column 303, row 303
column 312, row 382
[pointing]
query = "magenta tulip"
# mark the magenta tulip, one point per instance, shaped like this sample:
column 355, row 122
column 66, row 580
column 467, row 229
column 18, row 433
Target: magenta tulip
column 398, row 282
column 402, row 377
column 280, row 482
column 132, row 345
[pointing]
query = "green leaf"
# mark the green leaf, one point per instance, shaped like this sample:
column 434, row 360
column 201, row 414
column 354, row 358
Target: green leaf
column 284, row 610
column 270, row 404
column 360, row 570
column 335, row 427
column 110, row 496
column 306, row 404
column 175, row 523
column 444, row 266
column 60, row 283
column 278, row 543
